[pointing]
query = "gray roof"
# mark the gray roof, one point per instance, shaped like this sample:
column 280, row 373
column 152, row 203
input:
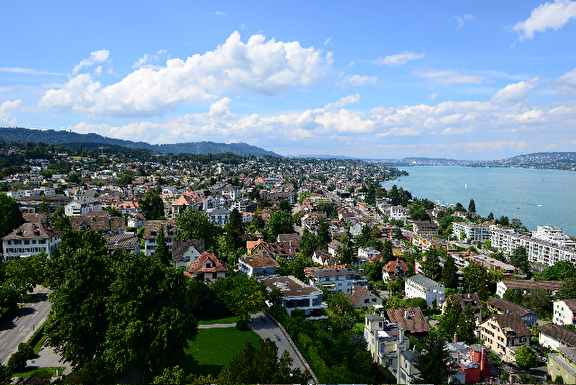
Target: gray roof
column 424, row 281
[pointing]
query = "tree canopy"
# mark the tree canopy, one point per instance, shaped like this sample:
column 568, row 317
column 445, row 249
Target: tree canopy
column 10, row 217
column 433, row 364
column 194, row 224
column 151, row 205
column 560, row 271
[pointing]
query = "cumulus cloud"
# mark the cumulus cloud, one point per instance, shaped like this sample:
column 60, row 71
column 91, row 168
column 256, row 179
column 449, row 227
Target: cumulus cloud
column 449, row 77
column 399, row 59
column 350, row 99
column 462, row 19
column 567, row 82
column 95, row 57
column 257, row 67
column 516, row 92
column 546, row 16
column 357, row 80
column 6, row 110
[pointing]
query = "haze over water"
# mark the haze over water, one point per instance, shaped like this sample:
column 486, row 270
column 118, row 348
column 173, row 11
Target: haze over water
column 536, row 197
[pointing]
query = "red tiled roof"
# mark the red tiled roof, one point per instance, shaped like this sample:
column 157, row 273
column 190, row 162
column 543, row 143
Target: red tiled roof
column 198, row 265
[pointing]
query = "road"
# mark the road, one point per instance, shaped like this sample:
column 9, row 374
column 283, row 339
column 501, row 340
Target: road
column 25, row 321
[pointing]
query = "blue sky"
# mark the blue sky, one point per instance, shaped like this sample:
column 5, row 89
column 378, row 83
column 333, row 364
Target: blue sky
column 373, row 79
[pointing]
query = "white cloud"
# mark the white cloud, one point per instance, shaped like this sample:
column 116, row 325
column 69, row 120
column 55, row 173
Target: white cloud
column 567, row 82
column 461, row 20
column 357, row 80
column 546, row 16
column 516, row 92
column 95, row 57
column 350, row 99
column 219, row 13
column 257, row 67
column 449, row 77
column 6, row 110
column 327, row 40
column 432, row 97
column 400, row 58
column 28, row 71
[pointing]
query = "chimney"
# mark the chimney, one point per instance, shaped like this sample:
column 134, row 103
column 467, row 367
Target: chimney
column 482, row 361
column 511, row 378
column 457, row 356
column 490, row 380
column 405, row 314
column 455, row 337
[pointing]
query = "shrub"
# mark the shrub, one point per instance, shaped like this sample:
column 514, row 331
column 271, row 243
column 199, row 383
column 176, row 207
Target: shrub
column 27, row 349
column 17, row 363
column 558, row 380
column 242, row 325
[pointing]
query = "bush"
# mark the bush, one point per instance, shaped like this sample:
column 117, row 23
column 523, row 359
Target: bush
column 558, row 380
column 242, row 325
column 27, row 349
column 17, row 363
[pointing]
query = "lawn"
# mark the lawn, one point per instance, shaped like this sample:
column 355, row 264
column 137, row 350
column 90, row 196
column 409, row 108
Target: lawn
column 215, row 348
column 40, row 372
column 227, row 320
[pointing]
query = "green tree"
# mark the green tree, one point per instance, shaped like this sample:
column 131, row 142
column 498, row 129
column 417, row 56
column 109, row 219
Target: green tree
column 472, row 206
column 247, row 296
column 258, row 222
column 538, row 300
column 151, row 205
column 431, row 265
column 59, row 220
column 10, row 217
column 451, row 315
column 387, row 252
column 526, row 356
column 476, row 280
column 280, row 222
column 396, row 286
column 262, row 365
column 339, row 303
column 568, row 289
column 560, row 271
column 467, row 325
column 162, row 252
column 173, row 375
column 519, row 259
column 194, row 224
column 285, row 205
column 433, row 364
column 449, row 273
column 4, row 374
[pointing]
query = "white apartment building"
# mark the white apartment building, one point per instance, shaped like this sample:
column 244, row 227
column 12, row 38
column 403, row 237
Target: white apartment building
column 81, row 207
column 553, row 234
column 419, row 286
column 564, row 312
column 385, row 340
column 545, row 253
column 298, row 295
column 30, row 239
column 474, row 232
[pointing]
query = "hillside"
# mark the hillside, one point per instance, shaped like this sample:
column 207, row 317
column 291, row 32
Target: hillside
column 11, row 135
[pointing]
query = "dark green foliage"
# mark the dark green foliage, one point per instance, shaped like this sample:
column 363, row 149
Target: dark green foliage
column 449, row 273
column 162, row 252
column 258, row 222
column 285, row 205
column 280, row 222
column 242, row 325
column 10, row 215
column 431, row 266
column 433, row 363
column 17, row 362
column 568, row 289
column 560, row 271
column 519, row 259
column 323, row 231
column 151, row 205
column 526, row 356
column 27, row 349
column 538, row 300
column 4, row 374
column 194, row 224
column 472, row 206
column 476, row 280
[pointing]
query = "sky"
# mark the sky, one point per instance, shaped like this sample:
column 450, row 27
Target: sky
column 469, row 80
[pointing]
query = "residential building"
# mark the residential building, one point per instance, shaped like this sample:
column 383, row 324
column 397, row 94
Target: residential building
column 136, row 220
column 564, row 312
column 322, row 257
column 335, row 278
column 469, row 299
column 186, row 251
column 554, row 336
column 473, row 232
column 471, row 363
column 30, row 239
column 151, row 231
column 207, row 268
column 286, row 249
column 419, row 286
column 425, row 228
column 219, row 216
column 411, row 320
column 366, row 253
column 362, row 297
column 394, row 269
column 503, row 306
column 79, row 208
column 508, row 270
column 297, row 295
column 257, row 264
column 126, row 242
column 563, row 364
column 406, row 372
column 99, row 221
column 553, row 234
column 385, row 340
column 244, row 205
column 504, row 333
column 527, row 285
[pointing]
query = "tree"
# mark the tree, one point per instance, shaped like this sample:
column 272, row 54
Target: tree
column 173, row 375
column 450, row 317
column 161, row 252
column 519, row 259
column 151, row 205
column 285, row 205
column 467, row 325
column 4, row 374
column 449, row 273
column 10, row 217
column 433, row 365
column 59, row 220
column 431, row 265
column 568, row 289
column 235, row 230
column 537, row 300
column 526, row 356
column 262, row 365
column 387, row 252
column 339, row 303
column 324, row 235
column 280, row 222
column 560, row 271
column 247, row 296
column 476, row 280
column 194, row 224
column 258, row 222
column 472, row 206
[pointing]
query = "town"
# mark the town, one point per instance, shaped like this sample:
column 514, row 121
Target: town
column 144, row 261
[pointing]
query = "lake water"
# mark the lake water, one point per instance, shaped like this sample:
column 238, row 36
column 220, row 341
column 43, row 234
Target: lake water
column 536, row 197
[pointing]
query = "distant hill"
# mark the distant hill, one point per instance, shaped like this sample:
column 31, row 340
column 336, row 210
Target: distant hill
column 546, row 160
column 11, row 135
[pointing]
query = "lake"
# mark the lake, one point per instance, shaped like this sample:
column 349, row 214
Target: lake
column 536, row 197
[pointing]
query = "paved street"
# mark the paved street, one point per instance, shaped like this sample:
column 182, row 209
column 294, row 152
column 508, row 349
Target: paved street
column 25, row 321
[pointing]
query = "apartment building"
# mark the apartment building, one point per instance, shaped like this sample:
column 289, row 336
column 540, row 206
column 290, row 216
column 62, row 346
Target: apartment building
column 474, row 232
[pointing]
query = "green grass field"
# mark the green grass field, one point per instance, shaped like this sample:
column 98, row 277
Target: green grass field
column 227, row 320
column 215, row 348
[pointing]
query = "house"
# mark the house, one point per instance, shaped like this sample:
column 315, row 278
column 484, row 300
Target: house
column 151, row 231
column 30, row 239
column 355, row 228
column 504, row 333
column 419, row 286
column 257, row 264
column 102, row 223
column 207, row 268
column 563, row 364
column 367, row 253
column 503, row 306
column 257, row 247
column 398, row 213
column 385, row 340
column 219, row 216
column 526, row 285
column 362, row 297
column 126, row 242
column 333, row 247
column 555, row 336
column 127, row 207
column 186, row 251
column 469, row 299
column 470, row 362
column 297, row 295
column 508, row 270
column 425, row 228
column 289, row 238
column 335, row 278
column 564, row 312
column 79, row 208
column 411, row 319
column 406, row 372
column 231, row 193
column 286, row 250
column 136, row 220
column 244, row 205
column 394, row 269
column 322, row 257
column 472, row 232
